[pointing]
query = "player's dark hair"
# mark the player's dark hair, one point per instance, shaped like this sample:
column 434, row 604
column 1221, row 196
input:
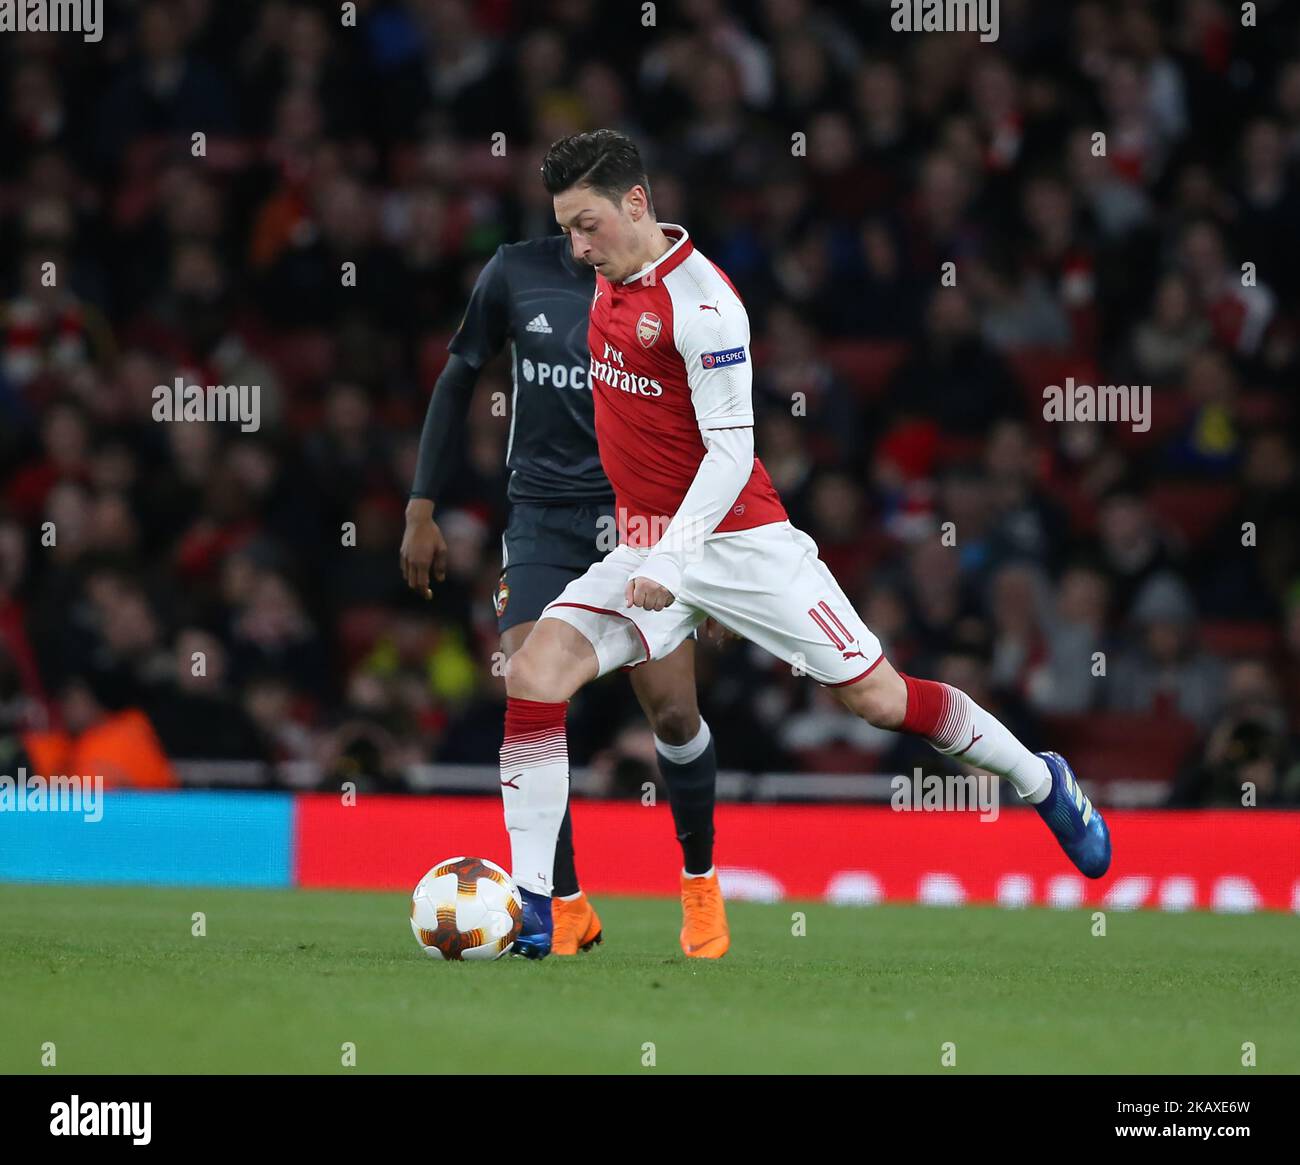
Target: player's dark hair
column 603, row 160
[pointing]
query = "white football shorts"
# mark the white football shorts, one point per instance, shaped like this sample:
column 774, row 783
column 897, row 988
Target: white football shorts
column 768, row 585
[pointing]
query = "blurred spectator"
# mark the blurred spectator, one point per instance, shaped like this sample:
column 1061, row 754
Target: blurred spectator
column 195, row 714
column 796, row 380
column 1250, row 758
column 1131, row 545
column 1028, row 522
column 954, row 380
column 119, row 746
column 1020, row 646
column 1238, row 312
column 1209, row 443
column 1069, row 681
column 1253, row 554
column 1165, row 341
column 273, row 633
column 1165, row 671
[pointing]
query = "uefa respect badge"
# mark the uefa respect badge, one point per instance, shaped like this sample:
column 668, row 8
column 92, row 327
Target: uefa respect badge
column 724, row 358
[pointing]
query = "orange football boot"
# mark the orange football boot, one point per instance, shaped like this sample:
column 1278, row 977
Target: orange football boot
column 577, row 926
column 704, row 918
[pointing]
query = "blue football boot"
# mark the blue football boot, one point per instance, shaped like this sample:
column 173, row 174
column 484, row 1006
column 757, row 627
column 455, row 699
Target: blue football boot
column 1070, row 815
column 534, row 938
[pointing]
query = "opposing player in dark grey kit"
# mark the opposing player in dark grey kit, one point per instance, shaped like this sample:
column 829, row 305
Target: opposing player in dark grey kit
column 536, row 296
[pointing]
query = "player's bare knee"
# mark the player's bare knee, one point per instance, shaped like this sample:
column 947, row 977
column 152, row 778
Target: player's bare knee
column 531, row 676
column 551, row 665
column 518, row 674
column 675, row 721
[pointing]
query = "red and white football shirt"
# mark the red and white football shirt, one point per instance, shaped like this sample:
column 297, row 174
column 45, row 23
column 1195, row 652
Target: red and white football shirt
column 669, row 358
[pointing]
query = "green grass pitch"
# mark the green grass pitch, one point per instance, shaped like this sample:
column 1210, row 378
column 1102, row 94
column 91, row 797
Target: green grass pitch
column 283, row 979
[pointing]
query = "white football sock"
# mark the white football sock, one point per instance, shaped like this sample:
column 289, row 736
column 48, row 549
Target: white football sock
column 534, row 789
column 534, row 812
column 982, row 739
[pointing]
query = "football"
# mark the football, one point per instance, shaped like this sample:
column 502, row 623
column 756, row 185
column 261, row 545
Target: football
column 465, row 908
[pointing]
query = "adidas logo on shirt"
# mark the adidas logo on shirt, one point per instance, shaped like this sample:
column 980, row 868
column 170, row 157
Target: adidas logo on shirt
column 538, row 324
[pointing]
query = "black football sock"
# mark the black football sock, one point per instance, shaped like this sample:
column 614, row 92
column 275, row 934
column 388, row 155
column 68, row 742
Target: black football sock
column 564, row 878
column 691, row 773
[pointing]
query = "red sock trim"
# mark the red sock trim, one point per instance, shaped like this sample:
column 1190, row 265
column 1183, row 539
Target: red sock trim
column 533, row 715
column 926, row 706
column 940, row 713
column 534, row 735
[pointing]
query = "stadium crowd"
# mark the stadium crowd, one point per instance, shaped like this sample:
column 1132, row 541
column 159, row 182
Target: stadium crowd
column 1130, row 592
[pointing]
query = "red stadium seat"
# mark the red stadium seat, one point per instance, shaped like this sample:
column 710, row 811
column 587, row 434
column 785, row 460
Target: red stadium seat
column 957, row 448
column 1257, row 409
column 1241, row 638
column 1192, row 509
column 866, row 364
column 1036, row 368
column 1079, row 503
column 303, row 359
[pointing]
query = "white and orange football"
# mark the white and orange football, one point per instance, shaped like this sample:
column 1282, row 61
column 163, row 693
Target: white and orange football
column 466, row 908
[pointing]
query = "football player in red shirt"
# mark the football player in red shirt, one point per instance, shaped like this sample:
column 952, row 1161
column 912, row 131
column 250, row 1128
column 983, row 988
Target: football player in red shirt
column 702, row 532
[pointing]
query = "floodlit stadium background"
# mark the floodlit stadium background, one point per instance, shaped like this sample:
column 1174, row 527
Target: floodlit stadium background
column 831, row 166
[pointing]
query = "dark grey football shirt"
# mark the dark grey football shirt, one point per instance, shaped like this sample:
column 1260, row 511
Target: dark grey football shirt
column 534, row 295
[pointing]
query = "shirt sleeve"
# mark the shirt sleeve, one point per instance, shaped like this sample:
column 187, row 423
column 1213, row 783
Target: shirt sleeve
column 726, row 467
column 442, row 439
column 713, row 339
column 486, row 324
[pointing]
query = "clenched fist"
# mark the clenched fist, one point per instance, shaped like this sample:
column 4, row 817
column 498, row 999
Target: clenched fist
column 642, row 592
